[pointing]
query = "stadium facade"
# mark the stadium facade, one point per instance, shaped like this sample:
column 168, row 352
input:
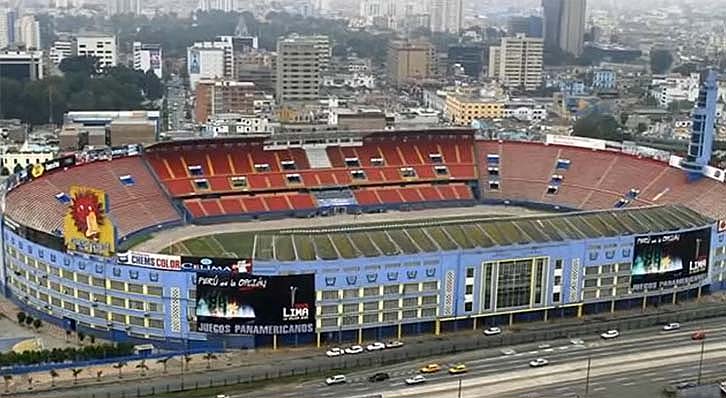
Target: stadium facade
column 639, row 241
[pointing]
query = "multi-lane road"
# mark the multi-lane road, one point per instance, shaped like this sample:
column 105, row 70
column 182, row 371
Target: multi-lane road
column 638, row 363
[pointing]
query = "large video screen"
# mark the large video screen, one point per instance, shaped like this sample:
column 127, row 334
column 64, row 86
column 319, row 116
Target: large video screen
column 239, row 303
column 668, row 259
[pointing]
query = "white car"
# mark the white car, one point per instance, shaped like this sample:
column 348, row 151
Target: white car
column 418, row 379
column 508, row 351
column 355, row 349
column 337, row 379
column 544, row 346
column 334, row 352
column 493, row 331
column 539, row 362
column 377, row 346
column 671, row 326
column 610, row 334
column 577, row 342
column 394, row 344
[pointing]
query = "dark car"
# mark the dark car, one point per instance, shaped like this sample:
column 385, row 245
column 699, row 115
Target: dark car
column 698, row 335
column 379, row 377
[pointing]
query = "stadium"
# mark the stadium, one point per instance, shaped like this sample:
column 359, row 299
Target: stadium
column 609, row 227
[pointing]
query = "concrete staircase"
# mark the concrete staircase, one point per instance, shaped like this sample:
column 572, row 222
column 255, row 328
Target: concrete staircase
column 318, row 158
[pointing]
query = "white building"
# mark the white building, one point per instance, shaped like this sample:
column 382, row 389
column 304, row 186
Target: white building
column 22, row 65
column 28, row 32
column 148, row 57
column 668, row 89
column 103, row 47
column 525, row 110
column 7, row 27
column 351, row 80
column 205, row 63
column 60, row 50
column 446, row 15
column 517, row 63
column 15, row 158
column 231, row 124
column 222, row 5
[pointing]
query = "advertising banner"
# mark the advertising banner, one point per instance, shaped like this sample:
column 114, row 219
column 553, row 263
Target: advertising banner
column 255, row 304
column 150, row 260
column 666, row 260
column 39, row 169
column 214, row 265
column 86, row 226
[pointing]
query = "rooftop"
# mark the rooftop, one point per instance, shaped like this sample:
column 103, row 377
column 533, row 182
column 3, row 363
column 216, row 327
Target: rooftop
column 484, row 232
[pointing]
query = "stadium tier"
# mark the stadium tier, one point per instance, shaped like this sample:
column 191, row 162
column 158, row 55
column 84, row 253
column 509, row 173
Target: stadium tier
column 615, row 228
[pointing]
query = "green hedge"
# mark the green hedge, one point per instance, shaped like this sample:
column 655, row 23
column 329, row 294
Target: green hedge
column 59, row 355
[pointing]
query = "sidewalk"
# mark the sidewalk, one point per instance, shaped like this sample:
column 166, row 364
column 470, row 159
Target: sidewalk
column 245, row 362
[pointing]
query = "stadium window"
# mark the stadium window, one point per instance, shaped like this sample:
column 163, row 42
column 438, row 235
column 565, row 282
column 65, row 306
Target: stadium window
column 134, row 288
column 552, row 190
column 331, row 295
column 493, row 171
column 436, row 158
column 350, row 293
column 195, row 170
column 492, row 159
column 262, row 168
column 555, row 297
column 370, row 318
column 441, row 170
column 469, row 289
column 358, row 174
column 293, row 179
column 493, row 185
column 428, row 313
column 558, row 264
column 558, row 280
column 352, row 162
column 468, row 307
column 624, row 267
column 563, row 164
column 407, row 172
column 390, row 316
column 329, row 323
column 410, row 288
column 238, row 182
column 62, row 198
column 470, row 272
column 391, row 289
column 377, row 162
column 152, row 307
column 201, row 184
column 288, row 165
column 410, row 314
column 156, row 324
column 127, row 180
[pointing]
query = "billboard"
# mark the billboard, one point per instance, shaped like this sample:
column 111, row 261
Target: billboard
column 665, row 260
column 150, row 260
column 254, row 304
column 215, row 265
column 86, row 226
column 40, row 169
column 194, row 61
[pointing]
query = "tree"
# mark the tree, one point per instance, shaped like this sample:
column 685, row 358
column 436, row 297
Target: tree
column 187, row 359
column 153, row 89
column 85, row 66
column 660, row 61
column 599, row 126
column 81, row 336
column 120, row 366
column 93, row 339
column 30, row 382
column 143, row 366
column 680, row 106
column 37, row 324
column 7, row 379
column 99, row 373
column 53, row 375
column 209, row 356
column 29, row 320
column 76, row 372
column 21, row 317
column 163, row 361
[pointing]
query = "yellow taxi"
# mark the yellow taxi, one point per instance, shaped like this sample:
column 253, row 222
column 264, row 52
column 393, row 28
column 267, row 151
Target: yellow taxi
column 431, row 368
column 457, row 369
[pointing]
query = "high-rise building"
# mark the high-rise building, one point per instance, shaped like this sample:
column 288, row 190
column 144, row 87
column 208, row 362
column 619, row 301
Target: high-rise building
column 517, row 63
column 564, row 25
column 21, row 65
column 148, row 57
column 469, row 56
column 101, row 46
column 411, row 60
column 446, row 15
column 7, row 27
column 213, row 97
column 222, row 5
column 300, row 61
column 124, row 7
column 700, row 148
column 205, row 62
column 28, row 32
column 531, row 26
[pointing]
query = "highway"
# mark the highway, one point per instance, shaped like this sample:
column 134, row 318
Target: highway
column 636, row 364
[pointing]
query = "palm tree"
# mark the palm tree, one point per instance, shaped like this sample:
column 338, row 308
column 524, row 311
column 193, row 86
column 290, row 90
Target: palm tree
column 7, row 379
column 209, row 356
column 187, row 359
column 30, row 382
column 120, row 366
column 99, row 373
column 53, row 375
column 163, row 361
column 143, row 366
column 76, row 372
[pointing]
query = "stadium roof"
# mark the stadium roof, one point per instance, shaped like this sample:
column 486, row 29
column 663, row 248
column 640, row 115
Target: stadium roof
column 428, row 237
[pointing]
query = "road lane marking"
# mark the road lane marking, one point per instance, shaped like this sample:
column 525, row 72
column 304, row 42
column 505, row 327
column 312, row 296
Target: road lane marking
column 601, row 388
column 630, row 383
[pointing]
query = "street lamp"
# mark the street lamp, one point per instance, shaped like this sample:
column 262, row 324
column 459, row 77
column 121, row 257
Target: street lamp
column 700, row 362
column 460, row 386
column 587, row 376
